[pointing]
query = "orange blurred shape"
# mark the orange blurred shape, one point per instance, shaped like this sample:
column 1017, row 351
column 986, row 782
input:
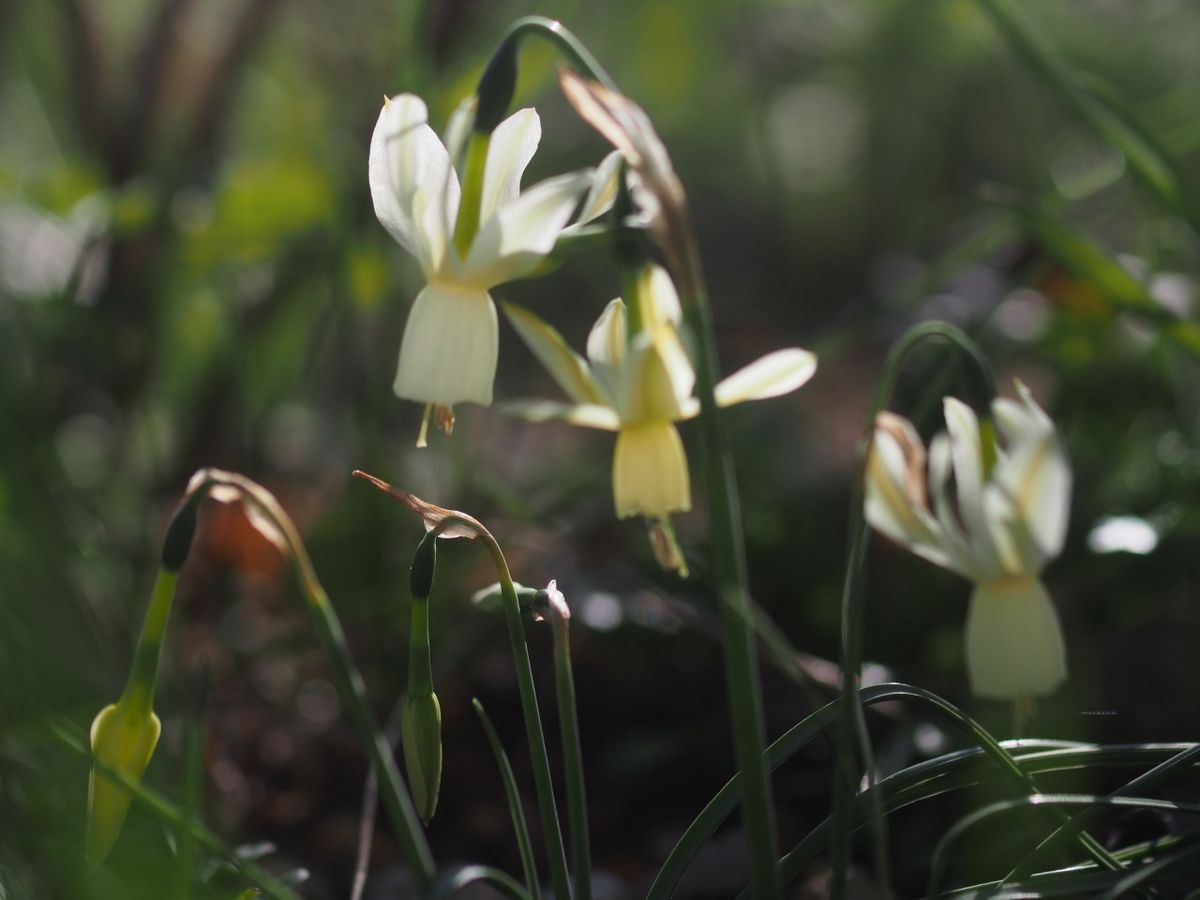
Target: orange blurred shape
column 1072, row 295
column 231, row 539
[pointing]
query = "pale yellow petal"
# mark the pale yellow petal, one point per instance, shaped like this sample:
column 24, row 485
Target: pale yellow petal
column 650, row 471
column 565, row 365
column 1014, row 641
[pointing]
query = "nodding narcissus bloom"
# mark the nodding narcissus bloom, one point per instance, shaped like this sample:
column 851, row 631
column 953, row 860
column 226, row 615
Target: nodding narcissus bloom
column 1007, row 521
column 448, row 352
column 637, row 381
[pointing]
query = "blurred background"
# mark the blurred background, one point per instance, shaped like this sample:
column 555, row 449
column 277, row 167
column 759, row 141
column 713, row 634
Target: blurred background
column 191, row 274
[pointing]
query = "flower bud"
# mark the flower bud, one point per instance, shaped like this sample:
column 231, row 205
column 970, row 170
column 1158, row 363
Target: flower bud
column 123, row 738
column 496, row 87
column 421, row 737
column 178, row 540
column 420, row 576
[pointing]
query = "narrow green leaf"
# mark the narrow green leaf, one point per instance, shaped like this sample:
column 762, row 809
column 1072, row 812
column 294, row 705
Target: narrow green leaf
column 520, row 828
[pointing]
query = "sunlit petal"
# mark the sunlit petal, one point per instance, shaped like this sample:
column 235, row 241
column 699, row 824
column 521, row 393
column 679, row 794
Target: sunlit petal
column 512, row 146
column 586, row 415
column 413, row 186
column 564, row 364
column 448, row 353
column 515, row 240
column 773, row 375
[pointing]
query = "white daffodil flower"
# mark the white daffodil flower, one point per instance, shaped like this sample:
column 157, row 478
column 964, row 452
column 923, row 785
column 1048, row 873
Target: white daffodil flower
column 448, row 352
column 1000, row 531
column 638, row 383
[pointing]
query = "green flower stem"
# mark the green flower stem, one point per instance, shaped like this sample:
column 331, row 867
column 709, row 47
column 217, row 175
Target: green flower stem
column 533, row 723
column 350, row 684
column 467, row 224
column 420, row 663
column 852, row 723
column 75, row 740
column 499, row 79
column 138, row 695
column 568, row 723
column 729, row 571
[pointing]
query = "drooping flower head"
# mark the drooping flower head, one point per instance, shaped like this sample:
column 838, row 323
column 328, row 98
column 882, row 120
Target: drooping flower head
column 448, row 352
column 637, row 380
column 1006, row 521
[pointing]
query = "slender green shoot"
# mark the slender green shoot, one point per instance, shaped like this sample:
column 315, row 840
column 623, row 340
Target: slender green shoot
column 457, row 524
column 265, row 510
column 557, row 611
column 520, row 828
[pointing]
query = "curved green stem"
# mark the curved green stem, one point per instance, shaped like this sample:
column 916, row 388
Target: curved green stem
column 730, row 575
column 852, row 726
column 350, row 684
column 533, row 722
column 455, row 881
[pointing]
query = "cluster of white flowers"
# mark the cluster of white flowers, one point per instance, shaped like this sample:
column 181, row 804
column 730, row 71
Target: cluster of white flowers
column 1009, row 512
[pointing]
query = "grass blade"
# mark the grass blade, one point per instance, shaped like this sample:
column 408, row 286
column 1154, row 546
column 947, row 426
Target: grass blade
column 520, row 828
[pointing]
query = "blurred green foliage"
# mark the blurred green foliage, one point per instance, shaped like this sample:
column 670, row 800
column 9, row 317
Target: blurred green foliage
column 191, row 274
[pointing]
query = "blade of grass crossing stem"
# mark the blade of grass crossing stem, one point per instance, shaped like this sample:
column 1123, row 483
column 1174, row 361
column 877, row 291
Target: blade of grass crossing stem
column 1153, row 166
column 73, row 738
column 795, row 738
column 1183, row 760
column 941, row 850
column 513, row 796
column 1186, row 860
column 852, row 724
column 193, row 784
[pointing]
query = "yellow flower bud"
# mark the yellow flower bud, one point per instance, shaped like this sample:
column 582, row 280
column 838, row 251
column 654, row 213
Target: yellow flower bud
column 421, row 737
column 124, row 735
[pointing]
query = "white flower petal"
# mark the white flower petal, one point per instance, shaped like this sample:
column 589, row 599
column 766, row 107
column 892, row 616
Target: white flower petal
column 512, row 146
column 564, row 364
column 1020, row 421
column 650, row 471
column 413, row 186
column 586, row 415
column 1014, row 640
column 954, row 540
column 603, row 192
column 520, row 235
column 1035, row 477
column 606, row 341
column 448, row 353
column 659, row 297
column 458, row 128
column 773, row 375
column 895, row 503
